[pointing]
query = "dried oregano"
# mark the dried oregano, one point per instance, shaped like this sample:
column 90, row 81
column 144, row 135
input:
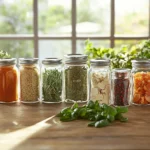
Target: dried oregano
column 76, row 83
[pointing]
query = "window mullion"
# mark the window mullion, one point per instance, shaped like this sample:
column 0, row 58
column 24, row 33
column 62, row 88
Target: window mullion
column 35, row 25
column 73, row 26
column 112, row 32
column 149, row 18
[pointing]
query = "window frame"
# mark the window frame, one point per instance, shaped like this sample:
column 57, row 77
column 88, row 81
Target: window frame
column 35, row 37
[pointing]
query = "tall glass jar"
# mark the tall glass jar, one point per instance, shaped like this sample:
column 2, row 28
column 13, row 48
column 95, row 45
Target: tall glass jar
column 29, row 80
column 99, row 77
column 141, row 82
column 75, row 78
column 51, row 80
column 8, row 81
column 121, row 87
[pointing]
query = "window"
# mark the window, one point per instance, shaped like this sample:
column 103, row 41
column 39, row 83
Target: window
column 45, row 28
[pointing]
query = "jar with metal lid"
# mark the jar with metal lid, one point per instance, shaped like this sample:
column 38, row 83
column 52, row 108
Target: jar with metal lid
column 8, row 81
column 29, row 80
column 99, row 77
column 121, row 87
column 51, row 80
column 75, row 78
column 141, row 82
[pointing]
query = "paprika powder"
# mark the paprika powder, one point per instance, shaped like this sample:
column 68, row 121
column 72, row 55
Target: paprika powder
column 8, row 80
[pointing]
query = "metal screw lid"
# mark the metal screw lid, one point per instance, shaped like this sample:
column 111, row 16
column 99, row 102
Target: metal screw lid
column 8, row 61
column 121, row 73
column 100, row 62
column 140, row 62
column 28, row 60
column 49, row 61
column 75, row 58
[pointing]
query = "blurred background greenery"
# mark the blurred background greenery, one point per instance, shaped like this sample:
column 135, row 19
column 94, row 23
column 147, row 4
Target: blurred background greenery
column 54, row 19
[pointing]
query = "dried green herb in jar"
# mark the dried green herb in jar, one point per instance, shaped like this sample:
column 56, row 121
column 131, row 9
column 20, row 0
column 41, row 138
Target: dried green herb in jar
column 52, row 85
column 76, row 83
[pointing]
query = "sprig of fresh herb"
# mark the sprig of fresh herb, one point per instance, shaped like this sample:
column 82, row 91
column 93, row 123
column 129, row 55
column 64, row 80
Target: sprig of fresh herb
column 101, row 115
column 52, row 85
column 120, row 58
column 4, row 55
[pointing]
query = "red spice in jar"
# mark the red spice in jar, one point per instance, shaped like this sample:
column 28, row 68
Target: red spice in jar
column 121, row 85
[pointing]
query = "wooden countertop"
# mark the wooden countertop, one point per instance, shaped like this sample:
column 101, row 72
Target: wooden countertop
column 29, row 127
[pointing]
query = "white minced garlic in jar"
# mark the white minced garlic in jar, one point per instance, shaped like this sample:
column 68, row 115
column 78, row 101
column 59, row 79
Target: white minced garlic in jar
column 100, row 87
column 29, row 84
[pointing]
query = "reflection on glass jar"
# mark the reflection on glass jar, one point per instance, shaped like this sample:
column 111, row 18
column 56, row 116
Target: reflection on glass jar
column 8, row 81
column 141, row 82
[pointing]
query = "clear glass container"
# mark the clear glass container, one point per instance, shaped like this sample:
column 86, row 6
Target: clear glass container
column 121, row 83
column 51, row 80
column 99, row 78
column 8, row 81
column 75, row 78
column 29, row 80
column 141, row 82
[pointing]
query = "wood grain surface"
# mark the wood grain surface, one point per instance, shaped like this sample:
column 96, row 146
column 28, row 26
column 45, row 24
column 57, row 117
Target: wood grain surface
column 29, row 127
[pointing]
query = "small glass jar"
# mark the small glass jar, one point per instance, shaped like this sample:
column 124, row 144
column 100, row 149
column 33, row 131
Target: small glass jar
column 75, row 78
column 51, row 80
column 99, row 77
column 29, row 80
column 121, row 87
column 141, row 82
column 8, row 81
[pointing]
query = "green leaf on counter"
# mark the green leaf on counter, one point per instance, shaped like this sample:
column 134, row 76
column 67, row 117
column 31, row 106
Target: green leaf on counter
column 101, row 115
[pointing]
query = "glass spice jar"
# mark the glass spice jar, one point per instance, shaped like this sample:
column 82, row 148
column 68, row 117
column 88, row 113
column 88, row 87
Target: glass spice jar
column 75, row 78
column 51, row 80
column 8, row 81
column 121, row 87
column 99, row 77
column 29, row 80
column 141, row 82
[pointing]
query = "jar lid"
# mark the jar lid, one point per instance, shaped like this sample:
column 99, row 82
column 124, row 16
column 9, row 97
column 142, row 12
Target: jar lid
column 75, row 58
column 28, row 60
column 49, row 61
column 8, row 61
column 121, row 73
column 100, row 62
column 140, row 62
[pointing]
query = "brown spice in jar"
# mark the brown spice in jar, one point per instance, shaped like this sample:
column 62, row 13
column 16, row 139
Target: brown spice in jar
column 29, row 83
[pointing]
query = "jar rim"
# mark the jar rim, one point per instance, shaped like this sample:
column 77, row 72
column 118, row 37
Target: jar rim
column 75, row 58
column 28, row 60
column 100, row 62
column 121, row 70
column 49, row 61
column 7, row 61
column 140, row 62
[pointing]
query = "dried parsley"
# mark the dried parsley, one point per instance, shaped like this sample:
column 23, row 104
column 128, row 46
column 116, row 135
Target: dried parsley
column 76, row 83
column 52, row 85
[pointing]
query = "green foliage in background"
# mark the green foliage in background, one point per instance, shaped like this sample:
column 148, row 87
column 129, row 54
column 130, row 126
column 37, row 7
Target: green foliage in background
column 120, row 58
column 4, row 54
column 16, row 18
